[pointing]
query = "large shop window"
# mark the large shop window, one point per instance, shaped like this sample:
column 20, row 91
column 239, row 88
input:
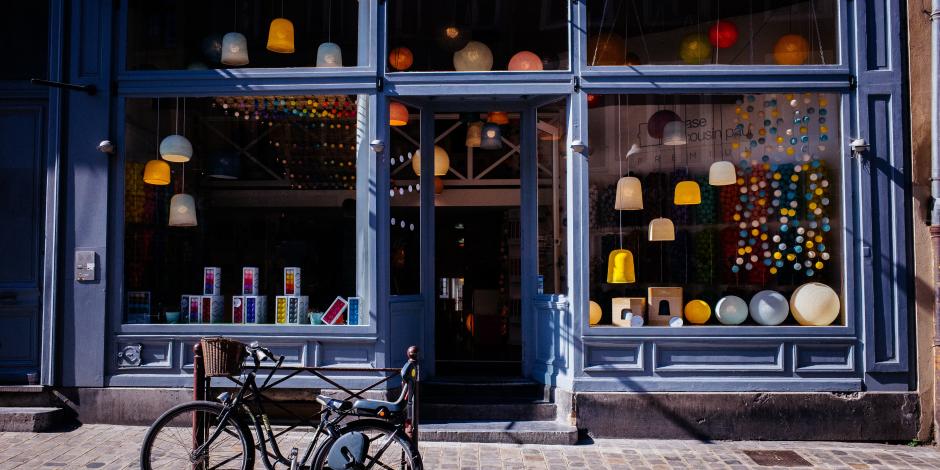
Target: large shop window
column 477, row 35
column 715, row 210
column 682, row 32
column 219, row 34
column 241, row 210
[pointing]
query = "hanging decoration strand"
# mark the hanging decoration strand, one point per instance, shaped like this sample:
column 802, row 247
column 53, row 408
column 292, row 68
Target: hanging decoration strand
column 599, row 32
column 812, row 5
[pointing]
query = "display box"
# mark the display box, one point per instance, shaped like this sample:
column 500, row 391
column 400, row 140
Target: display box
column 291, row 309
column 238, row 309
column 249, row 281
column 352, row 311
column 194, row 312
column 334, row 314
column 628, row 311
column 138, row 307
column 664, row 304
column 211, row 281
column 213, row 309
column 255, row 308
column 291, row 281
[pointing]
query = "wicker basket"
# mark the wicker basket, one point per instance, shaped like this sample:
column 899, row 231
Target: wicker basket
column 222, row 356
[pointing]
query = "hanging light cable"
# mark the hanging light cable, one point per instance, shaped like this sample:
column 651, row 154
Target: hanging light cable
column 157, row 171
column 620, row 266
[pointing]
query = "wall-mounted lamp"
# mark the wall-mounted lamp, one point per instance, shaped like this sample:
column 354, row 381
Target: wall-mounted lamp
column 105, row 146
column 578, row 147
column 859, row 146
column 377, row 146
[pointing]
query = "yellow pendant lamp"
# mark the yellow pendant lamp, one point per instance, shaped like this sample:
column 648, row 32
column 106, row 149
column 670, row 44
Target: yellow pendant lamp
column 397, row 114
column 281, row 36
column 687, row 193
column 441, row 162
column 620, row 267
column 662, row 230
column 157, row 172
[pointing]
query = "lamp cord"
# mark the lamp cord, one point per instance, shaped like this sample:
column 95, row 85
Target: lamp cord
column 329, row 21
column 597, row 45
column 176, row 118
column 158, row 126
column 620, row 168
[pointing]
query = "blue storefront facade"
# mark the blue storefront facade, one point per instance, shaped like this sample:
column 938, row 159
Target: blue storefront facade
column 310, row 160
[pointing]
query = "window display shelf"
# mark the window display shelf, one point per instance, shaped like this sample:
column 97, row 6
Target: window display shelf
column 710, row 331
column 261, row 330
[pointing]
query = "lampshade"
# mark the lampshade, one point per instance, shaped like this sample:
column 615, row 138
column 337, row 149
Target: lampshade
column 438, row 185
column 234, row 49
column 769, row 308
column 525, row 61
column 329, row 55
column 281, row 36
column 697, row 312
column 157, row 172
column 474, row 57
column 687, row 193
column 695, row 49
column 452, row 38
column 441, row 162
column 492, row 137
column 629, row 194
column 182, row 211
column 176, row 149
column 595, row 313
column 815, row 304
column 401, row 58
column 397, row 114
column 723, row 34
column 731, row 310
column 224, row 166
column 791, row 49
column 662, row 230
column 656, row 124
column 498, row 117
column 634, row 149
column 620, row 268
column 674, row 133
column 722, row 173
column 474, row 134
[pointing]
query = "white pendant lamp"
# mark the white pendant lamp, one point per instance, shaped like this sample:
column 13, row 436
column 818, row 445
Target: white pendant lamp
column 662, row 230
column 629, row 194
column 634, row 149
column 182, row 211
column 441, row 162
column 722, row 173
column 474, row 57
column 234, row 49
column 176, row 148
column 674, row 133
column 329, row 55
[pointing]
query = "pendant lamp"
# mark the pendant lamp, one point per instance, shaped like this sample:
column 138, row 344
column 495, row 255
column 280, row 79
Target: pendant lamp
column 662, row 230
column 438, row 185
column 157, row 172
column 492, row 137
column 620, row 268
column 687, row 193
column 182, row 211
column 234, row 49
column 401, row 58
column 176, row 148
column 498, row 117
column 634, row 149
column 629, row 194
column 474, row 57
column 474, row 134
column 397, row 114
column 722, row 173
column 525, row 61
column 441, row 162
column 451, row 38
column 674, row 133
column 329, row 55
column 281, row 36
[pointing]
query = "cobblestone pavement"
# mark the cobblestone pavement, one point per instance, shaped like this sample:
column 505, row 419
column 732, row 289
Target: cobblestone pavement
column 116, row 447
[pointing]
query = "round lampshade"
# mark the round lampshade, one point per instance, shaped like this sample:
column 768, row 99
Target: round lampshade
column 474, row 57
column 498, row 117
column 438, row 185
column 697, row 312
column 157, row 172
column 397, row 114
column 176, row 149
column 674, row 133
column 769, row 308
column 474, row 134
column 723, row 34
column 234, row 49
column 815, row 304
column 620, row 268
column 441, row 162
column 401, row 58
column 329, row 55
column 695, row 49
column 629, row 194
column 525, row 61
column 212, row 48
column 281, row 36
column 606, row 49
column 453, row 38
column 791, row 49
column 722, row 173
column 492, row 137
column 662, row 230
column 182, row 211
column 595, row 313
column 224, row 166
column 687, row 193
column 657, row 122
column 731, row 310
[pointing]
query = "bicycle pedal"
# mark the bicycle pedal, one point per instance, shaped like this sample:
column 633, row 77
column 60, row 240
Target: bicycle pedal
column 294, row 464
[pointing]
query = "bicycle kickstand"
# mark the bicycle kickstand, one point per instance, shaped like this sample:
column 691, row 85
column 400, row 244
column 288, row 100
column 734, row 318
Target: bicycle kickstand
column 294, row 464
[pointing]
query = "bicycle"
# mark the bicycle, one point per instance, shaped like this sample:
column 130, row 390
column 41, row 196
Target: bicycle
column 220, row 436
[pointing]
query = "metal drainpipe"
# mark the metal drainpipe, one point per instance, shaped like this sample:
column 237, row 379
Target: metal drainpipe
column 935, row 193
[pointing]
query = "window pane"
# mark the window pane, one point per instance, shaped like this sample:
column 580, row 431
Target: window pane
column 272, row 183
column 723, row 195
column 552, row 190
column 679, row 32
column 405, row 203
column 477, row 35
column 177, row 34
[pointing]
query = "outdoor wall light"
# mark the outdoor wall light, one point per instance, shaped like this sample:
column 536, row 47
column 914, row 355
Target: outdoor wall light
column 859, row 146
column 578, row 146
column 377, row 146
column 105, row 146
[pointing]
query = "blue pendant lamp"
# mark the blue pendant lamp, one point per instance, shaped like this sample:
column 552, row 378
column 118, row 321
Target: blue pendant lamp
column 492, row 138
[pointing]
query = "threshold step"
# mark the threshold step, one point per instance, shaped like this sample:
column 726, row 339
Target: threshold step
column 521, row 410
column 440, row 391
column 505, row 432
column 30, row 419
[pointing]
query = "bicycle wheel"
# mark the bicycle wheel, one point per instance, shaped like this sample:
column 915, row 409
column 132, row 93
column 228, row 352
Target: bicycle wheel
column 389, row 448
column 169, row 442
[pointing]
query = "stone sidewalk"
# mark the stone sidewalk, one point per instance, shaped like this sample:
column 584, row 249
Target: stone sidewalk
column 115, row 447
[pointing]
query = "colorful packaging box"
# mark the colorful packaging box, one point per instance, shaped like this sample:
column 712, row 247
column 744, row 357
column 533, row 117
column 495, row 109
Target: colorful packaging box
column 213, row 309
column 352, row 311
column 249, row 281
column 238, row 309
column 292, row 281
column 255, row 309
column 195, row 308
column 334, row 314
column 211, row 281
column 291, row 309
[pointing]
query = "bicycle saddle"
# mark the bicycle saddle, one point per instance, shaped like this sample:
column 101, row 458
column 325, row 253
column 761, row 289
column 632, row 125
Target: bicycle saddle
column 382, row 409
column 334, row 404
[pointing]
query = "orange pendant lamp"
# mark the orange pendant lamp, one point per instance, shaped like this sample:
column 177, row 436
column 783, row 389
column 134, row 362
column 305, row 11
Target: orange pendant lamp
column 281, row 36
column 397, row 114
column 498, row 117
